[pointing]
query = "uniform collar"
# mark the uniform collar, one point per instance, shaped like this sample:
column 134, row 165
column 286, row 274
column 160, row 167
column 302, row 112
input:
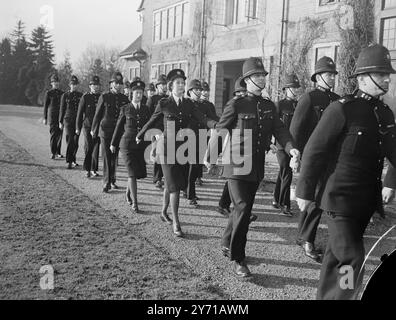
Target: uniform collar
column 363, row 95
column 323, row 89
column 177, row 98
column 135, row 105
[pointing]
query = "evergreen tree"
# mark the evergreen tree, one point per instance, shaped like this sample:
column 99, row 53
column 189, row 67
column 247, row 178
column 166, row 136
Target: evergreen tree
column 43, row 62
column 6, row 84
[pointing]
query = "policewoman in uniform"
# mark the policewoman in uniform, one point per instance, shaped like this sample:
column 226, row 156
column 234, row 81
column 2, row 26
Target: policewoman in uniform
column 349, row 145
column 85, row 116
column 306, row 116
column 104, row 123
column 178, row 112
column 67, row 119
column 286, row 109
column 144, row 98
column 132, row 119
column 152, row 103
column 253, row 115
column 52, row 101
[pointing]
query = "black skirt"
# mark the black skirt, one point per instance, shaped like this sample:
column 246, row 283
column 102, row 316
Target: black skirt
column 135, row 163
column 176, row 176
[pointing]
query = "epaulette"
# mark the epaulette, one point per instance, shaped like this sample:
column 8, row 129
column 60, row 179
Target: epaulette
column 346, row 99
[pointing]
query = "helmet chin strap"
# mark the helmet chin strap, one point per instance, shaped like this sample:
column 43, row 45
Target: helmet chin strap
column 328, row 87
column 261, row 88
column 294, row 96
column 378, row 86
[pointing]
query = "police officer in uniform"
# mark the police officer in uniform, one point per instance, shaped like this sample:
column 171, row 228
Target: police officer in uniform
column 306, row 116
column 85, row 116
column 176, row 112
column 104, row 123
column 286, row 109
column 144, row 99
column 255, row 120
column 132, row 119
column 349, row 145
column 67, row 119
column 152, row 103
column 225, row 200
column 52, row 102
column 127, row 91
column 151, row 91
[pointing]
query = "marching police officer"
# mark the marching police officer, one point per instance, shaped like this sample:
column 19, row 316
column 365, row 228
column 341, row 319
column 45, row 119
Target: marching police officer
column 306, row 116
column 286, row 109
column 251, row 116
column 176, row 112
column 225, row 200
column 132, row 119
column 104, row 123
column 85, row 116
column 67, row 119
column 152, row 103
column 52, row 102
column 144, row 99
column 349, row 145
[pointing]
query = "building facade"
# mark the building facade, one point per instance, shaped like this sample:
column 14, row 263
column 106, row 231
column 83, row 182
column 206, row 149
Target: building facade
column 210, row 39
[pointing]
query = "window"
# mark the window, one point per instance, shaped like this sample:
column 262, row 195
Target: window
column 164, row 68
column 134, row 72
column 240, row 11
column 326, row 2
column 388, row 32
column 386, row 4
column 171, row 22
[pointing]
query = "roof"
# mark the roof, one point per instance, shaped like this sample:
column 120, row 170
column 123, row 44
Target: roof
column 135, row 46
column 141, row 6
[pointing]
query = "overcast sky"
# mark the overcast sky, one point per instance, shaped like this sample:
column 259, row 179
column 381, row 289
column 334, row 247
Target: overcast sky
column 76, row 23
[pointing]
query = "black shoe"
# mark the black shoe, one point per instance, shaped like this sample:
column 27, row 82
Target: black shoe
column 53, row 157
column 106, row 189
column 275, row 205
column 128, row 199
column 158, row 185
column 59, row 156
column 165, row 218
column 114, row 186
column 178, row 232
column 309, row 251
column 241, row 270
column 253, row 218
column 69, row 166
column 193, row 203
column 75, row 164
column 135, row 208
column 226, row 252
column 88, row 174
column 224, row 211
column 286, row 212
column 94, row 174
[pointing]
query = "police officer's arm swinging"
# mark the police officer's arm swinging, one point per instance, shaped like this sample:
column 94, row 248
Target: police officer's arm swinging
column 98, row 116
column 118, row 132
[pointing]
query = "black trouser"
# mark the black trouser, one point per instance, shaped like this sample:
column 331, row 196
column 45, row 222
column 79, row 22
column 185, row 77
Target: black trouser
column 200, row 172
column 308, row 223
column 158, row 174
column 344, row 256
column 225, row 200
column 109, row 162
column 242, row 195
column 55, row 138
column 193, row 172
column 71, row 142
column 91, row 149
column 285, row 177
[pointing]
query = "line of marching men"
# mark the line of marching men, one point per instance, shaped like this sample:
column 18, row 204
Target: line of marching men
column 343, row 142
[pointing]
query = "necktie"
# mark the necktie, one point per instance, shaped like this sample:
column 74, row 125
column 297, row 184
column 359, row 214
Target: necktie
column 179, row 102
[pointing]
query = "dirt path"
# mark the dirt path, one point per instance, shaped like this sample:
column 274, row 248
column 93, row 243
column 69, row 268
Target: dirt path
column 110, row 233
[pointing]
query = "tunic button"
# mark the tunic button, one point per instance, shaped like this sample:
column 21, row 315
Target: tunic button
column 360, row 133
column 246, row 117
column 259, row 143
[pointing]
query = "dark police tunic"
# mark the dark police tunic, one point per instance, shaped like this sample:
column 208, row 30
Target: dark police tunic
column 104, row 123
column 52, row 102
column 152, row 103
column 130, row 122
column 349, row 145
column 307, row 114
column 181, row 117
column 286, row 109
column 67, row 117
column 258, row 115
column 85, row 116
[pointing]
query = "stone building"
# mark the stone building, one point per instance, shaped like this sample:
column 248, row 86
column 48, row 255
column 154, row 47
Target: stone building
column 210, row 39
